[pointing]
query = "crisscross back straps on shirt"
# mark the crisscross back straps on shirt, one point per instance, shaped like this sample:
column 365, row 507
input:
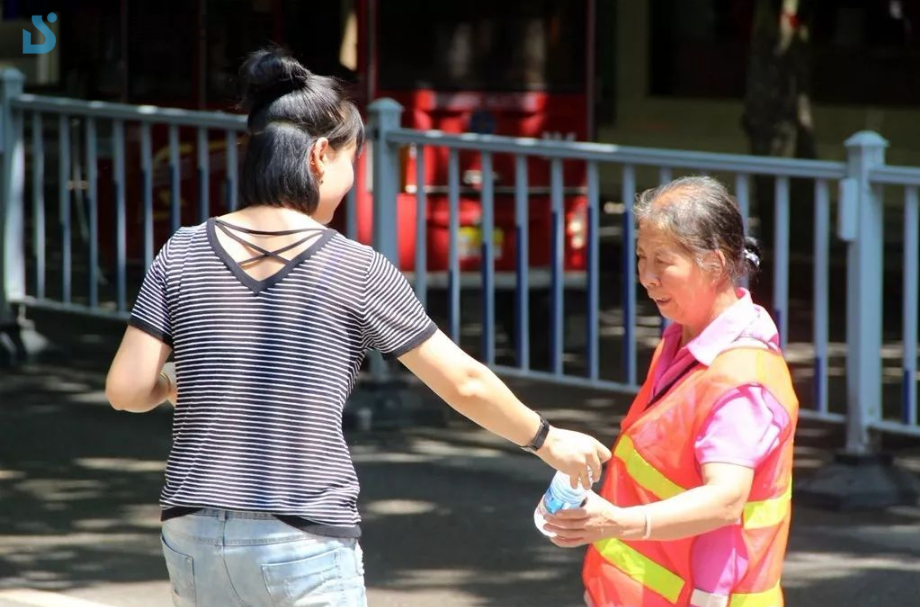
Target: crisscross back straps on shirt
column 227, row 228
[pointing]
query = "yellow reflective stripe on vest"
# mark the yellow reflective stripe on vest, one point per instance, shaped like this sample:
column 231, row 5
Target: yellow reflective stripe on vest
column 646, row 475
column 769, row 598
column 767, row 512
column 757, row 515
column 641, row 568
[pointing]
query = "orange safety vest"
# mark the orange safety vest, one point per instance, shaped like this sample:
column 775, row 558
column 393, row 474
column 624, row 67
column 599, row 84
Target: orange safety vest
column 654, row 459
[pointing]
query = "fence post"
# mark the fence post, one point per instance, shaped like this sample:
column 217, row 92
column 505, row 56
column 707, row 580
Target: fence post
column 865, row 151
column 385, row 399
column 12, row 252
column 862, row 476
column 384, row 117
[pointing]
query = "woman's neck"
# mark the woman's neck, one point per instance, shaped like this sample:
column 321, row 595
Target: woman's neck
column 264, row 217
column 724, row 299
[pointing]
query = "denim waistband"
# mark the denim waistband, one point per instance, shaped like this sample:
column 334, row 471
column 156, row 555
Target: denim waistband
column 228, row 514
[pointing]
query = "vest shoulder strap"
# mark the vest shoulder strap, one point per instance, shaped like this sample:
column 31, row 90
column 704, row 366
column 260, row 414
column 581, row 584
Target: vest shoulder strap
column 746, row 364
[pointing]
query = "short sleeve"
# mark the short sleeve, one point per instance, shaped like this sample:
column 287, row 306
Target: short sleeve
column 151, row 309
column 394, row 320
column 744, row 427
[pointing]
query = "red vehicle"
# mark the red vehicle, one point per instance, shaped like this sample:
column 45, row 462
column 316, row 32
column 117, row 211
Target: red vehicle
column 516, row 67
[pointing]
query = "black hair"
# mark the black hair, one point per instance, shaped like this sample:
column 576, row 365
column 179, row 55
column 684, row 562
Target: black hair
column 290, row 108
column 703, row 217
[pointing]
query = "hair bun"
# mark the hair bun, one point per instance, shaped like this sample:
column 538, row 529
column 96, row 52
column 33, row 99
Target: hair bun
column 268, row 74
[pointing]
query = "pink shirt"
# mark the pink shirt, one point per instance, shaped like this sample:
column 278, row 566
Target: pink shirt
column 743, row 429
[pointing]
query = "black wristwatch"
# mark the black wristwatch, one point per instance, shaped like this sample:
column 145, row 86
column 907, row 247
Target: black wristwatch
column 539, row 438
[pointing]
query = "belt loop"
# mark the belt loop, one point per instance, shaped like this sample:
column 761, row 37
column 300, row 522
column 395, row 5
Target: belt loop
column 222, row 515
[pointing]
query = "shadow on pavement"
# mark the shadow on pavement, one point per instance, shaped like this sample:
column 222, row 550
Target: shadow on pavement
column 447, row 510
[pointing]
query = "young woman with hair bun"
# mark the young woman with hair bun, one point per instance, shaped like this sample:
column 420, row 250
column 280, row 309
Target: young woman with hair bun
column 269, row 314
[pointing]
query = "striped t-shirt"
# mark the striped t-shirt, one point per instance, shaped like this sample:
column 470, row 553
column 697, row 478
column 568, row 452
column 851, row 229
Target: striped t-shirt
column 264, row 368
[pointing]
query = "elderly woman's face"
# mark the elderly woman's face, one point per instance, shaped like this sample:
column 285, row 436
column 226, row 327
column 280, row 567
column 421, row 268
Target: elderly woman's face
column 683, row 292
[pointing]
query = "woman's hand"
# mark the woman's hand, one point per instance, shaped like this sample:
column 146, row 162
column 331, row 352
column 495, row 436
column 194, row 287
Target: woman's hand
column 576, row 454
column 597, row 520
column 172, row 395
column 134, row 383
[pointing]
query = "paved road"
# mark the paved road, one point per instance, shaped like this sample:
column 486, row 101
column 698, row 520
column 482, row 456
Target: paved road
column 447, row 511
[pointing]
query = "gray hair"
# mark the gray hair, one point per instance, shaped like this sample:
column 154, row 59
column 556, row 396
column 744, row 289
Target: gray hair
column 703, row 218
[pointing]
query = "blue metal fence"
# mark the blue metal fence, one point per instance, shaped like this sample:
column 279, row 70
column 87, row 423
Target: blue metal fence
column 859, row 201
column 88, row 118
column 906, row 182
column 854, row 190
column 629, row 159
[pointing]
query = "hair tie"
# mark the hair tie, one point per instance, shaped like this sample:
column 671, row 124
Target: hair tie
column 274, row 91
column 752, row 257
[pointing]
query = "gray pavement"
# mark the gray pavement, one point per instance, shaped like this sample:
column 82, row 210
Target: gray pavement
column 447, row 510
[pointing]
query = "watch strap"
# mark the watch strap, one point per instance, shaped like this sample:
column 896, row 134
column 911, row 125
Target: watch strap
column 539, row 438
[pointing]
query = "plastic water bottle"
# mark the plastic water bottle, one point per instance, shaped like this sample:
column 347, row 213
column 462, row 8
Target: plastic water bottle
column 559, row 496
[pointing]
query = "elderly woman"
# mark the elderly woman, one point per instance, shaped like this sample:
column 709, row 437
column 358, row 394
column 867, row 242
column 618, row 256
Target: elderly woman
column 695, row 507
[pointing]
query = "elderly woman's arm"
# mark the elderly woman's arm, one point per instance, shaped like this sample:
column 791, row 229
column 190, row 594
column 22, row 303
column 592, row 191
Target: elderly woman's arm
column 134, row 382
column 718, row 502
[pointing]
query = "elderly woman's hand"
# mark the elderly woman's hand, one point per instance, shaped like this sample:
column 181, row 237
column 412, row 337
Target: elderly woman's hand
column 596, row 520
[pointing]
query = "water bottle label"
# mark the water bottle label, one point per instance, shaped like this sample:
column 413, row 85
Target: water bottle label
column 552, row 504
column 559, row 496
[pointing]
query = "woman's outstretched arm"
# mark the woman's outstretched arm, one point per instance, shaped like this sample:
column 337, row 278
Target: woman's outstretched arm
column 477, row 393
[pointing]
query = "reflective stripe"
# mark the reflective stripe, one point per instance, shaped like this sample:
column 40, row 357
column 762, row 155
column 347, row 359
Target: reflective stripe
column 757, row 515
column 770, row 598
column 641, row 568
column 646, row 475
column 701, row 598
column 769, row 512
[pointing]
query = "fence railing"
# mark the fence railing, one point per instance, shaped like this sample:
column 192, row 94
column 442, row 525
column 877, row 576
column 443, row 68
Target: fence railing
column 852, row 190
column 598, row 333
column 80, row 129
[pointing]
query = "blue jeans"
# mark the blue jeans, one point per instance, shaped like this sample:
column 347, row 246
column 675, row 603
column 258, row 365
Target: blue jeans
column 219, row 558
